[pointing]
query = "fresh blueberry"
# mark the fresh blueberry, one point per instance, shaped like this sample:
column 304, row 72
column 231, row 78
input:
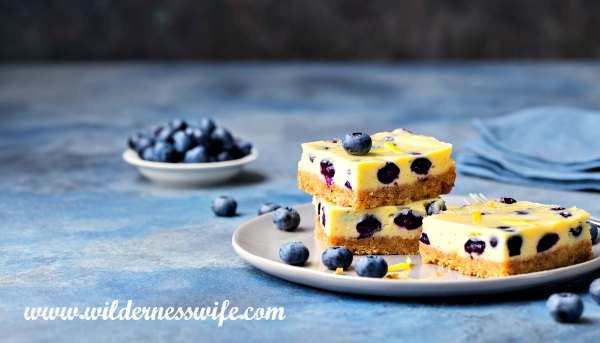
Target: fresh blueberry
column 328, row 171
column 133, row 139
column 201, row 137
column 593, row 231
column 245, row 147
column 196, row 155
column 337, row 257
column 148, row 154
column 166, row 135
column 506, row 200
column 224, row 156
column 371, row 266
column 547, row 241
column 286, row 218
column 224, row 206
column 565, row 214
column 388, row 173
column 424, row 239
column 177, row 124
column 493, row 241
column 212, row 158
column 514, row 244
column 294, row 253
column 565, row 307
column 348, row 185
column 357, row 143
column 595, row 291
column 164, row 152
column 435, row 207
column 142, row 144
column 207, row 125
column 420, row 166
column 576, row 231
column 408, row 219
column 182, row 142
column 474, row 246
column 268, row 207
column 367, row 226
column 222, row 138
column 154, row 131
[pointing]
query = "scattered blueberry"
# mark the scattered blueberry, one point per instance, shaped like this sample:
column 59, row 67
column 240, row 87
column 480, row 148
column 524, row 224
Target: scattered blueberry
column 576, row 231
column 371, row 266
column 268, row 207
column 286, row 218
column 294, row 253
column 177, row 124
column 207, row 125
column 506, row 200
column 493, row 241
column 224, row 206
column 196, row 155
column 474, row 246
column 435, row 207
column 367, row 226
column 337, row 257
column 514, row 244
column 328, row 171
column 357, row 143
column 595, row 291
column 164, row 152
column 420, row 166
column 182, row 142
column 388, row 173
column 424, row 239
column 348, row 185
column 547, row 241
column 408, row 219
column 593, row 231
column 565, row 307
column 565, row 214
column 222, row 138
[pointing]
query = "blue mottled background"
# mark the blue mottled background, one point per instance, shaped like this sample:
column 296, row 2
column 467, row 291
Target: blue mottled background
column 80, row 227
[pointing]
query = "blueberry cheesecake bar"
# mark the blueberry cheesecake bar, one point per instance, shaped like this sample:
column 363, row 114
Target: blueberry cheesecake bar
column 385, row 230
column 506, row 237
column 399, row 168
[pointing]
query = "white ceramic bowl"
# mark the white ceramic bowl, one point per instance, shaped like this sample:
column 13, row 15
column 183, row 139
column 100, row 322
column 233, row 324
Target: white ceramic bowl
column 188, row 174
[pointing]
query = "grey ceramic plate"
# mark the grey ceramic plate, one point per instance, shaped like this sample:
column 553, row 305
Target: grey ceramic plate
column 258, row 242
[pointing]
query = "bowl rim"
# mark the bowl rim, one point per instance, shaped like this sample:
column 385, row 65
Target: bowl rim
column 131, row 157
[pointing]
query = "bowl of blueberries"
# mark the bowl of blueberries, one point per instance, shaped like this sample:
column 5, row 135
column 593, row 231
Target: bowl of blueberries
column 182, row 153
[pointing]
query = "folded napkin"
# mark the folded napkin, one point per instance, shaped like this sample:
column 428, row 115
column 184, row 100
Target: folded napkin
column 554, row 147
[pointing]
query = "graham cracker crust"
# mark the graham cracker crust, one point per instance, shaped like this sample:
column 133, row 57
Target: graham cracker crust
column 429, row 187
column 370, row 245
column 555, row 258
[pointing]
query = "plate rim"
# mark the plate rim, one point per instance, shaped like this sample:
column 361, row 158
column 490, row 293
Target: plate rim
column 131, row 157
column 496, row 285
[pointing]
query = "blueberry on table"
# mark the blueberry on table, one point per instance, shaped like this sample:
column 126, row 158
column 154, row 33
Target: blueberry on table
column 595, row 290
column 267, row 207
column 565, row 307
column 182, row 142
column 177, row 124
column 207, row 125
column 196, row 155
column 593, row 231
column 371, row 266
column 222, row 138
column 357, row 143
column 337, row 257
column 224, row 206
column 286, row 218
column 294, row 253
column 164, row 152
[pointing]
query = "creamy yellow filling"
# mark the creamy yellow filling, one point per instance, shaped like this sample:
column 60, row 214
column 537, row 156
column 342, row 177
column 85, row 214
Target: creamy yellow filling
column 535, row 226
column 341, row 221
column 399, row 147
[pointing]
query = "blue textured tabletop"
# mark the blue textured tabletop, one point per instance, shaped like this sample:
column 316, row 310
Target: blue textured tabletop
column 80, row 227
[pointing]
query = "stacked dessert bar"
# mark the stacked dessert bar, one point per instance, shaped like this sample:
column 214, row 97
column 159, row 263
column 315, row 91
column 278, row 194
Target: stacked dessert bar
column 375, row 203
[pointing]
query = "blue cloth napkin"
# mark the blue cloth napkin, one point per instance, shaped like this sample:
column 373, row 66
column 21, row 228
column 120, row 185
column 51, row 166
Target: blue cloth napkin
column 553, row 147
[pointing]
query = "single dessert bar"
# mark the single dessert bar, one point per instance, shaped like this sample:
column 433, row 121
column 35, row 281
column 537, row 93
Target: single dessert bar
column 401, row 167
column 506, row 237
column 385, row 230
